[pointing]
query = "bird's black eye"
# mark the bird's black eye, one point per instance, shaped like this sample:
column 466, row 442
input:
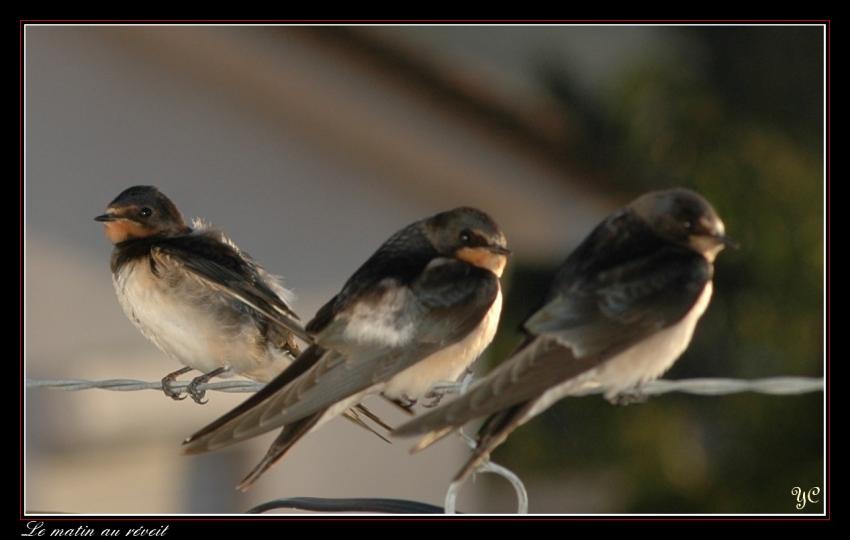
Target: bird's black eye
column 687, row 225
column 145, row 212
column 465, row 236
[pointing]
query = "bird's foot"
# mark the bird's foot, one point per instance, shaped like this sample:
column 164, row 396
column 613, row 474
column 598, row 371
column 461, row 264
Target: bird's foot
column 443, row 388
column 433, row 400
column 196, row 387
column 196, row 391
column 404, row 402
column 434, row 397
column 167, row 384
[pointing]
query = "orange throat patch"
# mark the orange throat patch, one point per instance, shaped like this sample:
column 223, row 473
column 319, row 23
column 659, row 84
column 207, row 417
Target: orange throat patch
column 483, row 258
column 124, row 229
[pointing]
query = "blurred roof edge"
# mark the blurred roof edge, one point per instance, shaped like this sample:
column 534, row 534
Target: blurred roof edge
column 535, row 124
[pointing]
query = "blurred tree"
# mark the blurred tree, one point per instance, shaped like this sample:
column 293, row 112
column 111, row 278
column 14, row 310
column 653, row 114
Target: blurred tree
column 735, row 113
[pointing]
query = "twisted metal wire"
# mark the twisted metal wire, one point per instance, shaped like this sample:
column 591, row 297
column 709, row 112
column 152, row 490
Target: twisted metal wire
column 132, row 385
column 697, row 386
column 704, row 386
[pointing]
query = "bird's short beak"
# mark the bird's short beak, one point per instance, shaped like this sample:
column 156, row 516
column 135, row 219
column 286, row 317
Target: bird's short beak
column 728, row 242
column 499, row 249
column 106, row 217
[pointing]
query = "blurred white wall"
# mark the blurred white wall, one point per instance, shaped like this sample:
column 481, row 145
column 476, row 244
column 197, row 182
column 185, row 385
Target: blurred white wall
column 309, row 162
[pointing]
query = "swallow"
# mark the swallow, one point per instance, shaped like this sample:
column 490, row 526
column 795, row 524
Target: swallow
column 621, row 309
column 421, row 309
column 196, row 295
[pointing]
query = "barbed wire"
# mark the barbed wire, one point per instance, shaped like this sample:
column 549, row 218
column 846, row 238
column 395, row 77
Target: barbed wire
column 132, row 385
column 696, row 386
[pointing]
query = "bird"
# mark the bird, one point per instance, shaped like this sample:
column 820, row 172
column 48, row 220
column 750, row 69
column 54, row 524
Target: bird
column 620, row 310
column 421, row 309
column 198, row 297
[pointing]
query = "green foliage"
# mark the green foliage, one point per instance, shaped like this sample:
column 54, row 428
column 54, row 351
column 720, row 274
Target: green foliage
column 737, row 116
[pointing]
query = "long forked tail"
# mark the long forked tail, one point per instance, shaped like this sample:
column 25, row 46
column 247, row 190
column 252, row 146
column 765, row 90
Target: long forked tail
column 353, row 415
column 293, row 432
column 289, row 435
column 492, row 433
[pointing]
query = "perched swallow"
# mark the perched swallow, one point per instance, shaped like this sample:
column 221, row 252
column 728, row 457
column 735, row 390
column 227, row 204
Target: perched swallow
column 193, row 293
column 420, row 310
column 621, row 309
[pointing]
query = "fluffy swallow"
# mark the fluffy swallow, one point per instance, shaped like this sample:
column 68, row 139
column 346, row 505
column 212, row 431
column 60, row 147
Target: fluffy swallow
column 195, row 295
column 421, row 309
column 621, row 309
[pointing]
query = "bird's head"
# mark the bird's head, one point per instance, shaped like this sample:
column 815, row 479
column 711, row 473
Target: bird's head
column 684, row 217
column 139, row 212
column 469, row 235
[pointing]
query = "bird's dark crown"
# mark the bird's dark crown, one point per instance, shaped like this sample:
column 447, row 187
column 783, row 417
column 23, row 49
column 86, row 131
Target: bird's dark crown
column 145, row 196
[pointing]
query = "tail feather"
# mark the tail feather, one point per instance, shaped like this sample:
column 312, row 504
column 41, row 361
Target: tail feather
column 536, row 367
column 353, row 416
column 492, row 433
column 289, row 435
column 293, row 432
column 431, row 438
column 372, row 416
column 223, row 431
